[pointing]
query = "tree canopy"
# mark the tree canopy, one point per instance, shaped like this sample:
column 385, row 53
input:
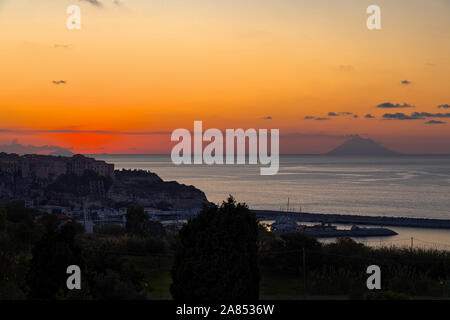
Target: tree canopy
column 51, row 256
column 137, row 220
column 217, row 255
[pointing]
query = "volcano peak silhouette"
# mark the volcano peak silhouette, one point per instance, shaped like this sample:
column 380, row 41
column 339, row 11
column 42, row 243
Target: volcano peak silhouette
column 358, row 146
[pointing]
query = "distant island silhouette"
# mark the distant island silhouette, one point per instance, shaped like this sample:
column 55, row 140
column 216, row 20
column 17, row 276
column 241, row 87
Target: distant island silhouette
column 358, row 146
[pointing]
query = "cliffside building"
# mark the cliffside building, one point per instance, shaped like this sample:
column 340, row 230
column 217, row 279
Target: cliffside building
column 50, row 167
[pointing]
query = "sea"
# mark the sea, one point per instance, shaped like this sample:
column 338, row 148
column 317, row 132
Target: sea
column 397, row 186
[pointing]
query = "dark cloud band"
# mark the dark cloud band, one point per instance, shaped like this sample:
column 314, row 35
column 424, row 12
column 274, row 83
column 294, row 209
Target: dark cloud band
column 388, row 105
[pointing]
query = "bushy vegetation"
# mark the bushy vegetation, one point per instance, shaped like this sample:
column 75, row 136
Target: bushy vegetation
column 34, row 256
column 217, row 255
column 220, row 254
column 339, row 268
column 110, row 230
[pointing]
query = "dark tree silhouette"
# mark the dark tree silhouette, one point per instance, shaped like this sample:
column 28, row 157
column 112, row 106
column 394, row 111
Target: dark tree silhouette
column 51, row 256
column 137, row 220
column 15, row 241
column 217, row 255
column 156, row 229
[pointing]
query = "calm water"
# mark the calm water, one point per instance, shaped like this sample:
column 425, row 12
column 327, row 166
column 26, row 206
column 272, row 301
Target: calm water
column 409, row 186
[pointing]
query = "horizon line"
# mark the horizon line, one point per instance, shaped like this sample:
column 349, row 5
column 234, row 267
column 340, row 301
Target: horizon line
column 284, row 154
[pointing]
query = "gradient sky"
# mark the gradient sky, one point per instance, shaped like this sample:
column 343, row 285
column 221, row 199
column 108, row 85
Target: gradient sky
column 139, row 69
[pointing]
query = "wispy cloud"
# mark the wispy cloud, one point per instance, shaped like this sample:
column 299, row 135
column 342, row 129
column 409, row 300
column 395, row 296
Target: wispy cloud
column 330, row 114
column 315, row 135
column 316, row 118
column 59, row 82
column 431, row 115
column 93, row 2
column 414, row 116
column 444, row 106
column 388, row 105
column 16, row 147
column 118, row 3
column 400, row 116
column 337, row 114
column 128, row 133
column 405, row 82
column 267, row 118
column 435, row 122
column 369, row 116
column 63, row 46
column 346, row 68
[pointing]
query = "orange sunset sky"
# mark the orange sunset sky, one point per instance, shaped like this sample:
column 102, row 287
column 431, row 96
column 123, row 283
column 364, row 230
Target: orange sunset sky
column 138, row 69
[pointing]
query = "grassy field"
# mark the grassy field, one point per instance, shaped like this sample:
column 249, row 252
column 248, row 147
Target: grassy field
column 156, row 271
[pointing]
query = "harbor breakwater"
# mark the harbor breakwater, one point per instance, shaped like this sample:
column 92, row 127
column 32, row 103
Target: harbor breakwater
column 354, row 219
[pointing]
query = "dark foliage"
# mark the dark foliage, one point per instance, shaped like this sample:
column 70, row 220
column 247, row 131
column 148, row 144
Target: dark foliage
column 15, row 240
column 137, row 220
column 110, row 229
column 51, row 256
column 284, row 254
column 109, row 286
column 339, row 268
column 17, row 213
column 217, row 255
